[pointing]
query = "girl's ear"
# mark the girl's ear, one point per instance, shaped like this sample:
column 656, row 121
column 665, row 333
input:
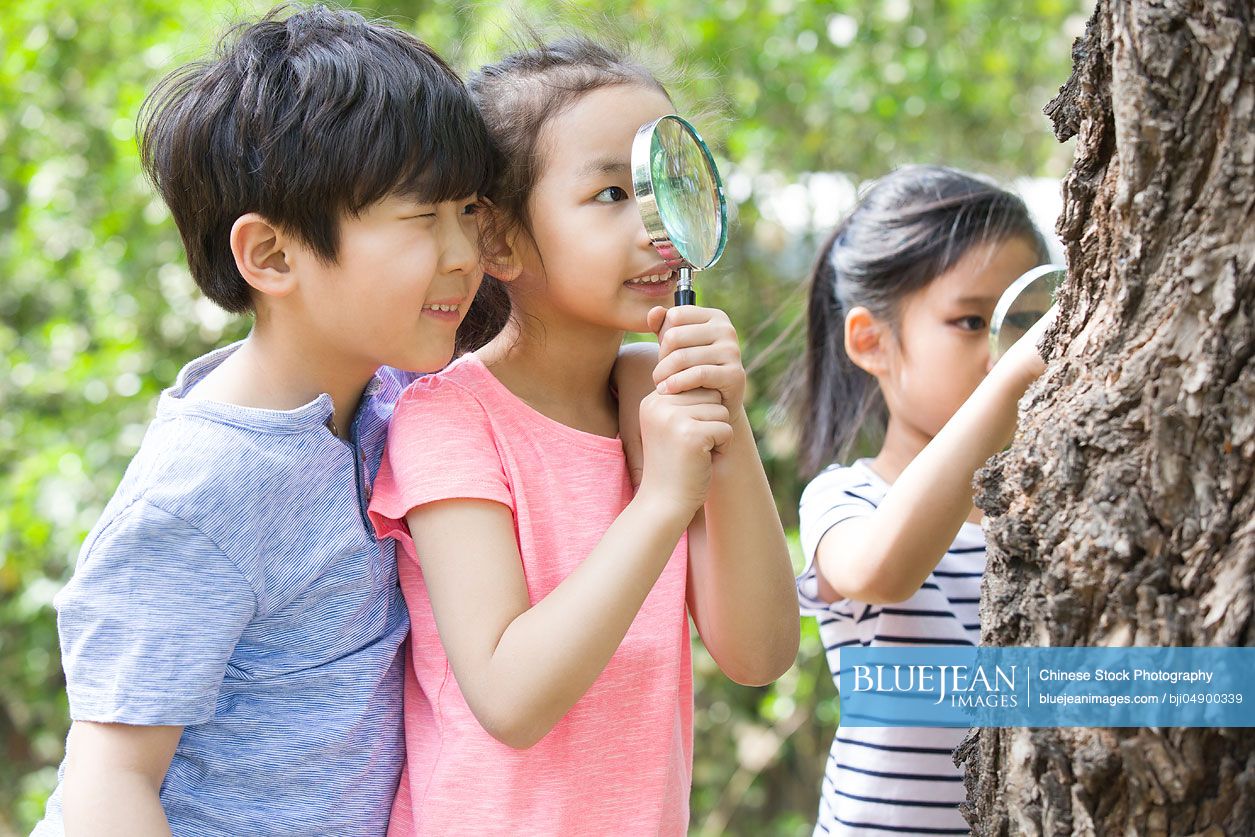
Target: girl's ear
column 501, row 247
column 261, row 257
column 867, row 341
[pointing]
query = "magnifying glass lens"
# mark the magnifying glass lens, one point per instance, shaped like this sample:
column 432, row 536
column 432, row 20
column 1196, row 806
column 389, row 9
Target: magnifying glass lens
column 687, row 193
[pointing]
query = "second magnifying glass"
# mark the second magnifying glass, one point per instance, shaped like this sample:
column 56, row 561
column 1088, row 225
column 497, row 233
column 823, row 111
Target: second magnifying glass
column 680, row 196
column 1022, row 304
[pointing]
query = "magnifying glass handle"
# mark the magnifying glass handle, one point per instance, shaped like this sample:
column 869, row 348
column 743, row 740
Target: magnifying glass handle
column 684, row 293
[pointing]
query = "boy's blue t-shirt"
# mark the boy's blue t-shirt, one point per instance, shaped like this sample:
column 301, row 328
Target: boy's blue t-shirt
column 233, row 586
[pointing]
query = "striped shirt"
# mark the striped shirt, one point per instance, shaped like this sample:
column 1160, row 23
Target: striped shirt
column 889, row 780
column 233, row 586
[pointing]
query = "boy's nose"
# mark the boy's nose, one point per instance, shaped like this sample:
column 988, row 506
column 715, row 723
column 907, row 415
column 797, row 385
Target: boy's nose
column 460, row 252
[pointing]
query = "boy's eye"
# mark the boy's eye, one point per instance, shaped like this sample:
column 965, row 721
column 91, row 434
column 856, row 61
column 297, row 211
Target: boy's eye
column 971, row 323
column 611, row 194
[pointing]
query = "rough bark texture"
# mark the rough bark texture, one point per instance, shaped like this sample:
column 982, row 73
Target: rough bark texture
column 1124, row 514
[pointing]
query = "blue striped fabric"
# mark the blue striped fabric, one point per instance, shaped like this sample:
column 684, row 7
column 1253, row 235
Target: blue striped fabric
column 889, row 780
column 233, row 586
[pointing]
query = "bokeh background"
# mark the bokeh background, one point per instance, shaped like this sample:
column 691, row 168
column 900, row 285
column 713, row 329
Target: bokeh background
column 802, row 101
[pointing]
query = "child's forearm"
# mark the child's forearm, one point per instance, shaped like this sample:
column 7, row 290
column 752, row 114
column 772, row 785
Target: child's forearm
column 902, row 541
column 113, row 778
column 121, row 804
column 552, row 653
column 741, row 590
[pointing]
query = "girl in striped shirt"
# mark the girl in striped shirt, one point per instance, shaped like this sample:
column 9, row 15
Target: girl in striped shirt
column 897, row 348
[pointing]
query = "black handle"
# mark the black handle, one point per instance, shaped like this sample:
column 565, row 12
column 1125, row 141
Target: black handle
column 685, row 296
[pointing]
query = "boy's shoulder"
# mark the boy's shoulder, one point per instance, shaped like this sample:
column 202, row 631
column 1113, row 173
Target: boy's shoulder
column 244, row 478
column 191, row 461
column 194, row 448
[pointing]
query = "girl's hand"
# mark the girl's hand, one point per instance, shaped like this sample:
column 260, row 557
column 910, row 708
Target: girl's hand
column 679, row 434
column 1024, row 359
column 698, row 349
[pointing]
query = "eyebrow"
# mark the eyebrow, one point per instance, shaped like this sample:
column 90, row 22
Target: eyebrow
column 603, row 166
column 977, row 300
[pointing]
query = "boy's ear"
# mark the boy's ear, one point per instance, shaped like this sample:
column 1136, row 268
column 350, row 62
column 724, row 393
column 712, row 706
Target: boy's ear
column 866, row 341
column 261, row 257
column 501, row 248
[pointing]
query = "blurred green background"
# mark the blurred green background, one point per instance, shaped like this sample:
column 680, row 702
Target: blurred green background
column 802, row 102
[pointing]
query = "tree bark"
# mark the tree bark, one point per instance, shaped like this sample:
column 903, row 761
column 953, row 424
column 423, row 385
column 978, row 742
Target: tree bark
column 1124, row 513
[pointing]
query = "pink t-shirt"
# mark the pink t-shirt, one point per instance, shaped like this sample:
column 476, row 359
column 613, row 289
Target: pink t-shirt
column 620, row 762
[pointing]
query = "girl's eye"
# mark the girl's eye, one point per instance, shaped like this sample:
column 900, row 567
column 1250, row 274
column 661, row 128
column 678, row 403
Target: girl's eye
column 472, row 208
column 972, row 323
column 611, row 194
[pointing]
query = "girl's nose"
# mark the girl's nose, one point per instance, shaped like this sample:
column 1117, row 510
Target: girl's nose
column 641, row 236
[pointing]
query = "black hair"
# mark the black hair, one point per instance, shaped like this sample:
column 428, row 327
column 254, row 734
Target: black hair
column 518, row 96
column 908, row 228
column 305, row 116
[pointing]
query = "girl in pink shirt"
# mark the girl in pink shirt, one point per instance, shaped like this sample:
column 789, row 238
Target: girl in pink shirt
column 549, row 688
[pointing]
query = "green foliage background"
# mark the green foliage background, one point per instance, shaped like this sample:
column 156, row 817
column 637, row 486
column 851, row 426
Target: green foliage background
column 98, row 312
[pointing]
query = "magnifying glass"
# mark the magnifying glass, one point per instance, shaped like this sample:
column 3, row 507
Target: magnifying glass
column 681, row 200
column 1022, row 304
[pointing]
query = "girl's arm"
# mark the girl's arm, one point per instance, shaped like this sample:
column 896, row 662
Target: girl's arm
column 633, row 378
column 522, row 667
column 886, row 556
column 741, row 589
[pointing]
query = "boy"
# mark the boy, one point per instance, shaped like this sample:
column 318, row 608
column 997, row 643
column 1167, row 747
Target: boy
column 230, row 637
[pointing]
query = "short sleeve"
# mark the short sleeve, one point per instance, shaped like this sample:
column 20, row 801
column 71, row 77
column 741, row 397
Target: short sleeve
column 835, row 496
column 149, row 622
column 441, row 446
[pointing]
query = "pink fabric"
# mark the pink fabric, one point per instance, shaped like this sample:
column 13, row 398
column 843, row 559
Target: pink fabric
column 620, row 762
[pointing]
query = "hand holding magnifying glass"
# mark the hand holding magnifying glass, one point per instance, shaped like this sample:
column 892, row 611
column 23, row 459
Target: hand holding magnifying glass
column 1022, row 305
column 682, row 205
column 1023, row 313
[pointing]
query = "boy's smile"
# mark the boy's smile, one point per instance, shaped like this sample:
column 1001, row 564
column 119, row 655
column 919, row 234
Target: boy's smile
column 404, row 277
column 449, row 310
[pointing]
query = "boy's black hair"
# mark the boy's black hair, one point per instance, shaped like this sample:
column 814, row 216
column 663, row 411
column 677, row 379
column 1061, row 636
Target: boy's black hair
column 909, row 227
column 305, row 116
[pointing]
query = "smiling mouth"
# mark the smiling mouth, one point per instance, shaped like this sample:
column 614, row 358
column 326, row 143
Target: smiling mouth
column 652, row 279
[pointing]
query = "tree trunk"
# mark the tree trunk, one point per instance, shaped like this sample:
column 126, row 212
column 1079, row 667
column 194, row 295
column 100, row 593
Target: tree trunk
column 1124, row 513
